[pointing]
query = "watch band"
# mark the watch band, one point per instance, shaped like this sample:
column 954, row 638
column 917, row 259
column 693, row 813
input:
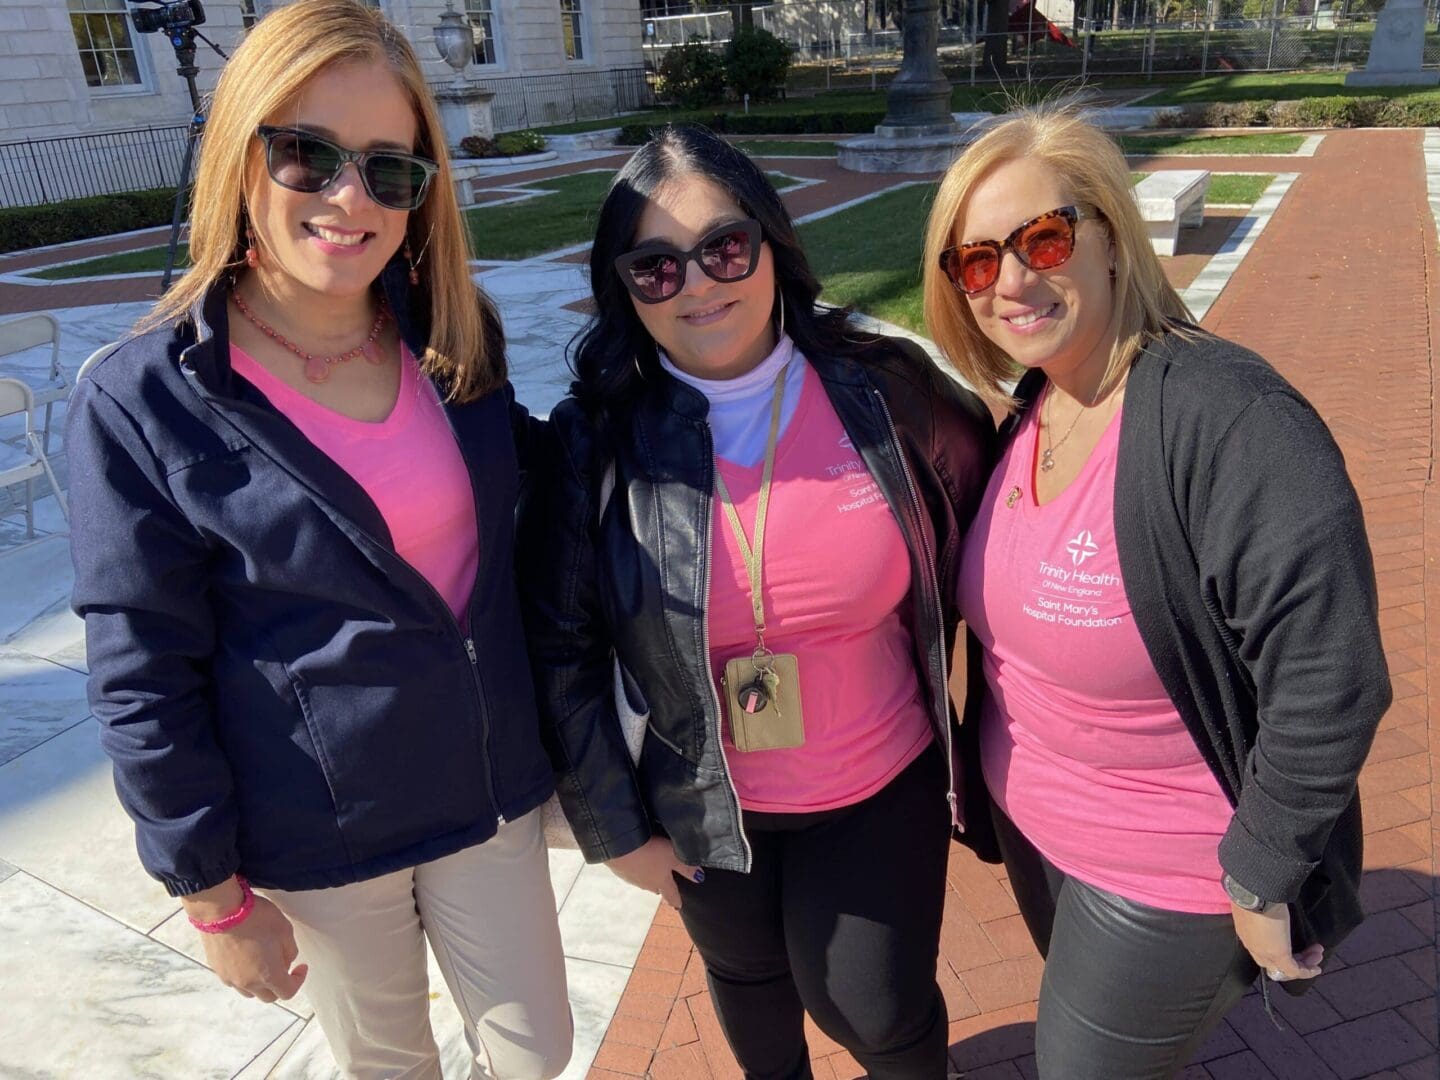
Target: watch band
column 1242, row 897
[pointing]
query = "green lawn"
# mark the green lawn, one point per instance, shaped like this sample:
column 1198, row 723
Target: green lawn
column 128, row 262
column 1170, row 90
column 786, row 148
column 1236, row 189
column 882, row 277
column 1210, row 144
column 869, row 255
column 962, row 99
column 522, row 230
column 1229, row 189
column 1260, row 85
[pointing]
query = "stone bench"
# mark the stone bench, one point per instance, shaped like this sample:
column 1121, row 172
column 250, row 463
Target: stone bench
column 1170, row 199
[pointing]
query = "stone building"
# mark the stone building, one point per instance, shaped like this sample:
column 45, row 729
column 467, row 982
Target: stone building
column 79, row 68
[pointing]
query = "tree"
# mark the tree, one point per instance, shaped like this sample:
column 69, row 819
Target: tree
column 997, row 36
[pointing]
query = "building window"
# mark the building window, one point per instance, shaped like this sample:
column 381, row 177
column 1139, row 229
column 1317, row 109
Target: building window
column 102, row 35
column 249, row 16
column 482, row 25
column 571, row 29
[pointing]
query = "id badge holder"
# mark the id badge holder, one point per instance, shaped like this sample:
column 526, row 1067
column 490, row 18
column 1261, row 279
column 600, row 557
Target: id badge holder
column 762, row 695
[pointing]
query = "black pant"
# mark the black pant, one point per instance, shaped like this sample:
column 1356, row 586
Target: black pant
column 1130, row 991
column 840, row 916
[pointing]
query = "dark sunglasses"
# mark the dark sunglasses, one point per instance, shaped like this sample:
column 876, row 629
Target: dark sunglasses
column 655, row 272
column 1042, row 243
column 304, row 162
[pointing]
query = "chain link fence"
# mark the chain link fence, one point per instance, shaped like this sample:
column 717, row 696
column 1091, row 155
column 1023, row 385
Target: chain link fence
column 859, row 42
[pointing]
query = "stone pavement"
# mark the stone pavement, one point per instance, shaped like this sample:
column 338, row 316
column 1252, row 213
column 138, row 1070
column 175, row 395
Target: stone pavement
column 113, row 979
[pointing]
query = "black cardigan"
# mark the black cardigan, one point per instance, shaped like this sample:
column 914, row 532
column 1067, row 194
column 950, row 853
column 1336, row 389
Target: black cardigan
column 1245, row 559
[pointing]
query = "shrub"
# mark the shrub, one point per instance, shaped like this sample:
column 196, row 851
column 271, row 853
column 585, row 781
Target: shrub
column 692, row 75
column 729, row 123
column 1328, row 112
column 511, row 144
column 1217, row 114
column 515, row 143
column 24, row 227
column 756, row 63
column 1410, row 112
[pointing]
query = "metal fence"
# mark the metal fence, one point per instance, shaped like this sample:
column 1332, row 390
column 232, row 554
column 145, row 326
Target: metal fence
column 526, row 101
column 75, row 166
column 1100, row 37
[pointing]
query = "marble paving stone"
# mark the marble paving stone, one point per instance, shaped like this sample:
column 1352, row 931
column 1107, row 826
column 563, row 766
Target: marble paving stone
column 38, row 701
column 61, row 822
column 605, row 919
column 565, row 867
column 265, row 1062
column 35, row 615
column 102, row 1001
column 595, row 990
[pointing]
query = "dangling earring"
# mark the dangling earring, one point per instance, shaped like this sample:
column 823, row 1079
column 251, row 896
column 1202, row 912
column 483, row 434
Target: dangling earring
column 252, row 254
column 780, row 302
column 414, row 270
column 415, row 261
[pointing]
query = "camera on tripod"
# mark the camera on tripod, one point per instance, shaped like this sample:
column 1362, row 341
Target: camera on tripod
column 171, row 17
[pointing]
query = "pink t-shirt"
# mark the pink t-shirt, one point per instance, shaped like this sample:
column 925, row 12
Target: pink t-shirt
column 408, row 463
column 836, row 575
column 1081, row 745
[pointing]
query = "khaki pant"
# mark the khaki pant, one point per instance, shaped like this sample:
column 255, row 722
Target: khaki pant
column 489, row 914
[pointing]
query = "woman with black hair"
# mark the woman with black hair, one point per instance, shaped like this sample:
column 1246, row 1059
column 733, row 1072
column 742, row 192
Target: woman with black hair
column 753, row 513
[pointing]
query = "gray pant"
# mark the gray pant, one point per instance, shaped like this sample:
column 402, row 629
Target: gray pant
column 1130, row 991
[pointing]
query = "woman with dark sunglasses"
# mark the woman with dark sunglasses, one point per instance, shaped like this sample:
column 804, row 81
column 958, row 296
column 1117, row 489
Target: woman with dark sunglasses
column 294, row 497
column 1172, row 613
column 755, row 510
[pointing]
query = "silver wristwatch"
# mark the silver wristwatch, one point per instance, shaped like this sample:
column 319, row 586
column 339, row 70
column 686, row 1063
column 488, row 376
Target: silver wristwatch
column 1241, row 896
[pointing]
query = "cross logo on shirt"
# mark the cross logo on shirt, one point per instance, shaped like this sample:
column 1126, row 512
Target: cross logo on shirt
column 1082, row 547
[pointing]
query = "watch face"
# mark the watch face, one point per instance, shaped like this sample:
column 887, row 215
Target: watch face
column 1242, row 896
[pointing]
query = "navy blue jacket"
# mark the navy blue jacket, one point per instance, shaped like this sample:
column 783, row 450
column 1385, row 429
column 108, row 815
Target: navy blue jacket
column 280, row 693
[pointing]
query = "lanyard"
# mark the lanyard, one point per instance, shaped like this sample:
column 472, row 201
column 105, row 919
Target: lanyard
column 753, row 556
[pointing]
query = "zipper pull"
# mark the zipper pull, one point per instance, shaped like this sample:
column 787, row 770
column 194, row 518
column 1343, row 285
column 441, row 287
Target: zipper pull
column 470, row 651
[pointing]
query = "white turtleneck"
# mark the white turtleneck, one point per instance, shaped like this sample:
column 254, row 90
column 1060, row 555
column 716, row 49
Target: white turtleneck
column 739, row 416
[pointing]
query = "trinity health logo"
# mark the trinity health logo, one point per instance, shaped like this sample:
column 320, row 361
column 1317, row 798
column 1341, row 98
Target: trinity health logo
column 1081, row 547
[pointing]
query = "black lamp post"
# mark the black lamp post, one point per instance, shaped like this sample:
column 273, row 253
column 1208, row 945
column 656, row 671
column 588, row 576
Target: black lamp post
column 920, row 95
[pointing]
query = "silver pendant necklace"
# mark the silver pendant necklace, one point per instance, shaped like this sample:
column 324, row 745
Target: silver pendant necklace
column 1047, row 455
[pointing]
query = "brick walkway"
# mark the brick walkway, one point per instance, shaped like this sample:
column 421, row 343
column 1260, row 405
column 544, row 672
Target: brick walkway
column 1338, row 294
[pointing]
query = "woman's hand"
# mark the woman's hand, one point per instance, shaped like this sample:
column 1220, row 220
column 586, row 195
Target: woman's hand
column 255, row 957
column 650, row 867
column 1266, row 937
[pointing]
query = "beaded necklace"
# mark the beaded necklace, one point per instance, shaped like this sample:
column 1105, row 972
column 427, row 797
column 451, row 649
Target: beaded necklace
column 317, row 368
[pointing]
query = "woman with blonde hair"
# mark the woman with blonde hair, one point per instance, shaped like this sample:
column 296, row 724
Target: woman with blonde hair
column 294, row 492
column 1172, row 603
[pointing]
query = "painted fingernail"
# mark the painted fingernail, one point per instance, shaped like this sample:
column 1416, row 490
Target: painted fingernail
column 698, row 877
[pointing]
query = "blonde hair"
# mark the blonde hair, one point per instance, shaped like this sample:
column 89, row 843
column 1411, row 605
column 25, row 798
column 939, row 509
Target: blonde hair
column 284, row 50
column 1093, row 172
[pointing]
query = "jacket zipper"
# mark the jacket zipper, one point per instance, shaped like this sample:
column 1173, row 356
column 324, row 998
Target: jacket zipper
column 942, row 699
column 705, row 557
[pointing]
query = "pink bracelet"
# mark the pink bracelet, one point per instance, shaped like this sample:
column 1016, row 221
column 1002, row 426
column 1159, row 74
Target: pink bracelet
column 235, row 918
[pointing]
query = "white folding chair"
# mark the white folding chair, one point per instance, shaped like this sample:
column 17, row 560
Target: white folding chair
column 30, row 332
column 94, row 358
column 28, row 461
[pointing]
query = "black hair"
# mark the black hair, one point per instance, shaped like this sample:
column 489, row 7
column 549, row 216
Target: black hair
column 614, row 354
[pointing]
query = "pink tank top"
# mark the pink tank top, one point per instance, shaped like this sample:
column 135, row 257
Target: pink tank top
column 836, row 576
column 409, row 465
column 1080, row 744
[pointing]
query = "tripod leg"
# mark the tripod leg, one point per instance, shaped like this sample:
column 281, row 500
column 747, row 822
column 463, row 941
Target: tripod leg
column 196, row 126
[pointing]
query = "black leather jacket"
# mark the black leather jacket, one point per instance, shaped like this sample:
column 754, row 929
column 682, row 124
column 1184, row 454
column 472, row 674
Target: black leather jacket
column 636, row 580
